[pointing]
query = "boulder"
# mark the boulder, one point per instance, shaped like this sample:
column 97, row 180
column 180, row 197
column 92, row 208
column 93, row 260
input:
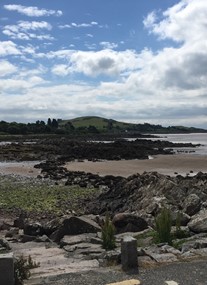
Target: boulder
column 192, row 204
column 198, row 223
column 33, row 229
column 180, row 218
column 74, row 226
column 126, row 222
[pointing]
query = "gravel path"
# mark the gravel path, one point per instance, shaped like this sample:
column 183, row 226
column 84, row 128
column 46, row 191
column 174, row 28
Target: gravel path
column 189, row 273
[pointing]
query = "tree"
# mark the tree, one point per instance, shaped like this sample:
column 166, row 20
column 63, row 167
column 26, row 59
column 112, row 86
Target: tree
column 54, row 124
column 49, row 122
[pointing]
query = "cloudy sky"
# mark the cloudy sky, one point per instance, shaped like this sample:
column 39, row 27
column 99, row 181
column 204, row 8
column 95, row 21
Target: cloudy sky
column 129, row 60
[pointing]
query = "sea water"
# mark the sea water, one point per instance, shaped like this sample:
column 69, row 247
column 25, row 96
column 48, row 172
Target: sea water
column 194, row 138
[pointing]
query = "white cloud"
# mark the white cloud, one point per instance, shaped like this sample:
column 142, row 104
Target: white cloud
column 60, row 69
column 89, row 35
column 24, row 30
column 80, row 25
column 32, row 11
column 91, row 63
column 6, row 68
column 108, row 45
column 150, row 20
column 8, row 48
column 184, row 22
column 168, row 86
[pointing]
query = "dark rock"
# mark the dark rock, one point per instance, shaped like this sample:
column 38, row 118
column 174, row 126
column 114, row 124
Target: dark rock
column 33, row 229
column 75, row 226
column 192, row 204
column 27, row 238
column 125, row 222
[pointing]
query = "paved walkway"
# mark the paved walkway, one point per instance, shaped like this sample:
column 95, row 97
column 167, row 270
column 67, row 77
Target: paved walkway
column 189, row 273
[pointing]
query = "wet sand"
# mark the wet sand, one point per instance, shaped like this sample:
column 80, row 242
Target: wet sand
column 19, row 168
column 164, row 164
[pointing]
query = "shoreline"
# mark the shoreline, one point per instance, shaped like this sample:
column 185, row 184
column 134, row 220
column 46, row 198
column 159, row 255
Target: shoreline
column 164, row 164
column 182, row 164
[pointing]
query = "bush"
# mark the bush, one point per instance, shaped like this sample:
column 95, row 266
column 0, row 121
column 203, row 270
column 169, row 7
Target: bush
column 108, row 234
column 22, row 268
column 163, row 224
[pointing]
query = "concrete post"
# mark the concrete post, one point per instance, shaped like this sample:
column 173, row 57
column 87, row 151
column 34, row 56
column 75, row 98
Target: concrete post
column 7, row 269
column 129, row 259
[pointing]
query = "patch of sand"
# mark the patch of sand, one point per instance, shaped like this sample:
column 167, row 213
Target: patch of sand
column 164, row 164
column 19, row 168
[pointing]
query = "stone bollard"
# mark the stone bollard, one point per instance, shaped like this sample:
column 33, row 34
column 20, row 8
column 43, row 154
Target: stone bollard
column 6, row 269
column 129, row 254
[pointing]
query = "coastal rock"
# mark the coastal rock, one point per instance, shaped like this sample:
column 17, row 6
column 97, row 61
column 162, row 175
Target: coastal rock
column 192, row 204
column 198, row 223
column 180, row 218
column 33, row 229
column 74, row 226
column 126, row 222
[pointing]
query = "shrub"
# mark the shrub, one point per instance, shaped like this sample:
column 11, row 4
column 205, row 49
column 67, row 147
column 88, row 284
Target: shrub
column 163, row 225
column 108, row 234
column 22, row 268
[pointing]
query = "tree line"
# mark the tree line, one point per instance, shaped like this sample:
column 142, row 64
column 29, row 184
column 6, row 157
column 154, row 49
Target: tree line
column 52, row 126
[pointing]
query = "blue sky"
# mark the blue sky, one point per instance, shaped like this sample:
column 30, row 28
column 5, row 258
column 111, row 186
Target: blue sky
column 130, row 60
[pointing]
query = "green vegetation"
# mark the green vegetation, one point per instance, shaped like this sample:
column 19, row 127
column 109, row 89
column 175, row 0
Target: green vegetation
column 22, row 268
column 41, row 197
column 88, row 125
column 146, row 238
column 163, row 224
column 108, row 234
column 162, row 232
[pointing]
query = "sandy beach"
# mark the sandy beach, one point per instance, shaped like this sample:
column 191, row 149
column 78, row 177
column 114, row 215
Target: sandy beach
column 19, row 168
column 164, row 164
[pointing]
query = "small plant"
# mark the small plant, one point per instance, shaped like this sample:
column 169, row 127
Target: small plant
column 163, row 225
column 108, row 234
column 22, row 268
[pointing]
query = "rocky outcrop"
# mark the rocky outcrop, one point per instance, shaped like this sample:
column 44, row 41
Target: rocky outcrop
column 65, row 149
column 145, row 195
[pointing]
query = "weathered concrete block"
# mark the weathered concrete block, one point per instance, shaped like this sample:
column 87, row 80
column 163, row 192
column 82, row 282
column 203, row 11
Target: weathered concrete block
column 6, row 269
column 127, row 282
column 129, row 253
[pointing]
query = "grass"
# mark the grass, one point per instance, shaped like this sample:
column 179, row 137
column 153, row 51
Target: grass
column 98, row 122
column 38, row 196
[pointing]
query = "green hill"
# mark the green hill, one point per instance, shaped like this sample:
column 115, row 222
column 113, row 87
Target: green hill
column 100, row 123
column 109, row 125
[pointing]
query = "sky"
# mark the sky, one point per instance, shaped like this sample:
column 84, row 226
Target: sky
column 128, row 60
